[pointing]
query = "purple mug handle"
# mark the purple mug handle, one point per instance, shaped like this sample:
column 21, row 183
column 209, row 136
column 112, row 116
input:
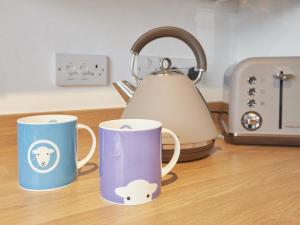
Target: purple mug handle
column 166, row 169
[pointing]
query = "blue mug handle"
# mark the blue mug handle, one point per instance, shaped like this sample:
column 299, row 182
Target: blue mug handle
column 83, row 161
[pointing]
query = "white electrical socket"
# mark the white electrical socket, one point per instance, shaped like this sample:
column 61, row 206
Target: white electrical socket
column 183, row 63
column 149, row 64
column 146, row 65
column 80, row 70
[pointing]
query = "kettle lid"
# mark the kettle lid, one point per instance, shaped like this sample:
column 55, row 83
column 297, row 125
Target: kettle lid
column 166, row 69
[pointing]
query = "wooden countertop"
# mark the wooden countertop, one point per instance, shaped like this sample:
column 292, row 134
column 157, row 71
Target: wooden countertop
column 236, row 185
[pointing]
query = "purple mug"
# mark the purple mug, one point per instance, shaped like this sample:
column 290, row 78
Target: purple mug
column 130, row 160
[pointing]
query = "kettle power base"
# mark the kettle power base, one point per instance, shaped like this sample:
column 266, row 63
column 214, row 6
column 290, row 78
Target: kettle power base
column 189, row 152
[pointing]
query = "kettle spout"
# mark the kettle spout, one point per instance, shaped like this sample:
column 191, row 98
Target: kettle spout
column 125, row 89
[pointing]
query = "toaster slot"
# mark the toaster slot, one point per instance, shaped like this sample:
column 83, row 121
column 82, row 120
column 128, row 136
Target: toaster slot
column 280, row 103
column 283, row 78
column 291, row 105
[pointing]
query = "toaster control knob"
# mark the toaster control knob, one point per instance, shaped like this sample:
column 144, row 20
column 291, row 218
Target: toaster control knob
column 252, row 80
column 251, row 91
column 251, row 121
column 251, row 103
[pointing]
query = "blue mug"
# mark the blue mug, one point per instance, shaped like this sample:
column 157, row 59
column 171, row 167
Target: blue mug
column 47, row 151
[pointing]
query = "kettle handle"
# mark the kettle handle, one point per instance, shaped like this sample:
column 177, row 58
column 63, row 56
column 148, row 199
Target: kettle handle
column 174, row 32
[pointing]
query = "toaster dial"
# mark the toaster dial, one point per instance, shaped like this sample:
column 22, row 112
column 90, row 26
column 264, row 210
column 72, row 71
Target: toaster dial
column 252, row 80
column 251, row 91
column 251, row 103
column 251, row 121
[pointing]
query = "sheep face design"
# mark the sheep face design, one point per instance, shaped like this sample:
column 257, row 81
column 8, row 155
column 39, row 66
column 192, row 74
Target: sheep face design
column 137, row 192
column 42, row 155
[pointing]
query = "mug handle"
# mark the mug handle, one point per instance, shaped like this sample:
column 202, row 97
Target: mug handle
column 82, row 162
column 166, row 169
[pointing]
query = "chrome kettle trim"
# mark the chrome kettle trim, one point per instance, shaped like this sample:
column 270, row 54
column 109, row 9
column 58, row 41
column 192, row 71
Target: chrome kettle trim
column 138, row 79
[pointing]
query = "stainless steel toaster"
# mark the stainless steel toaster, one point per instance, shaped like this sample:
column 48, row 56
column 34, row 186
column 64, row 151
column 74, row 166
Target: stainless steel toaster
column 263, row 97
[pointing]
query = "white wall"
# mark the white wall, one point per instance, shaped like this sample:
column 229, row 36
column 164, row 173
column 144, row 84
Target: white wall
column 268, row 28
column 31, row 31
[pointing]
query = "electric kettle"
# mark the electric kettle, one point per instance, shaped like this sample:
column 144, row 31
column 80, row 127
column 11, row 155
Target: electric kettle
column 172, row 98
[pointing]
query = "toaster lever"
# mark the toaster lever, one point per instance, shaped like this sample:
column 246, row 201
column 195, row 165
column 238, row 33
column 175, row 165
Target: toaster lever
column 284, row 76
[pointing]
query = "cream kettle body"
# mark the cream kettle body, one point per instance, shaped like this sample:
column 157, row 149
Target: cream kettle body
column 172, row 98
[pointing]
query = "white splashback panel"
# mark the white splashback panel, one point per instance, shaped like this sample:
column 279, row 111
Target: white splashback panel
column 268, row 28
column 32, row 31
